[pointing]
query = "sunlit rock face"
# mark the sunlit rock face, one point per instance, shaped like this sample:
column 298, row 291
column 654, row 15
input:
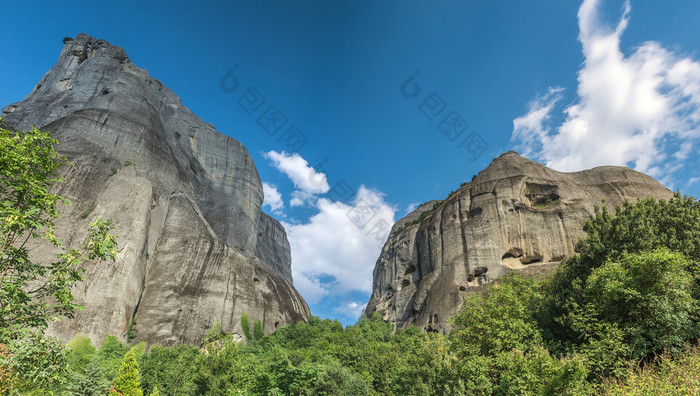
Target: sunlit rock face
column 185, row 200
column 515, row 215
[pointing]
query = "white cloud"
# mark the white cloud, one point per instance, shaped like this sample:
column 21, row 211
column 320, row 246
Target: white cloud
column 335, row 251
column 351, row 309
column 411, row 207
column 307, row 181
column 641, row 110
column 273, row 199
column 692, row 181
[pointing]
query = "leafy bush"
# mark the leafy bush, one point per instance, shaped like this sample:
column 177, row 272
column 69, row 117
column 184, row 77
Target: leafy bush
column 664, row 376
column 501, row 320
column 170, row 369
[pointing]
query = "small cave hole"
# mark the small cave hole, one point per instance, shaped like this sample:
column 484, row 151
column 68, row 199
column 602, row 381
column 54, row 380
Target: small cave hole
column 462, row 288
column 470, row 278
column 105, row 91
column 541, row 195
column 405, row 283
column 512, row 253
column 256, row 280
column 474, row 213
column 435, row 320
column 411, row 269
column 478, row 271
column 277, row 324
column 532, row 260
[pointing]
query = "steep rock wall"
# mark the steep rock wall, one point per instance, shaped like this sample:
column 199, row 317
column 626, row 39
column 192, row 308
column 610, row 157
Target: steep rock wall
column 185, row 200
column 515, row 215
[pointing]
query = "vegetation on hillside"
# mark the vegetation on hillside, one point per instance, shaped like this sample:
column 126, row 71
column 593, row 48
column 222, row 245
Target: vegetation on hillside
column 621, row 317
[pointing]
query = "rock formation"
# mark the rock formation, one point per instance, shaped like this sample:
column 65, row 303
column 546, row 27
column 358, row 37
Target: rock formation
column 185, row 200
column 515, row 215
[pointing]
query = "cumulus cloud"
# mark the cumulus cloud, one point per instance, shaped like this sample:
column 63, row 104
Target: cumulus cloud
column 351, row 309
column 307, row 181
column 273, row 199
column 640, row 110
column 335, row 251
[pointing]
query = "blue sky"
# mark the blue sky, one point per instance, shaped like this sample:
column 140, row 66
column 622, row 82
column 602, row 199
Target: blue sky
column 569, row 84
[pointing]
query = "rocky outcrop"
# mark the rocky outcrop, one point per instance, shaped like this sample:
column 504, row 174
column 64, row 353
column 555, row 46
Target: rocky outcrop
column 185, row 200
column 515, row 215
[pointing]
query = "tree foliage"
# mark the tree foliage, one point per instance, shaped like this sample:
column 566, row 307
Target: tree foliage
column 127, row 382
column 90, row 382
column 33, row 293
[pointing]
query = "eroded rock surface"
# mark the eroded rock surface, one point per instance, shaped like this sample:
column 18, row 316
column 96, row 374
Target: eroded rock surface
column 185, row 200
column 516, row 214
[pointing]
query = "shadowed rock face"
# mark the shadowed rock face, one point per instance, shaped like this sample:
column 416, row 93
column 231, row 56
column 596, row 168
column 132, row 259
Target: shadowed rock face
column 185, row 200
column 515, row 215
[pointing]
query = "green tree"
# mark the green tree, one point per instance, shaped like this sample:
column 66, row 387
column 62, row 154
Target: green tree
column 245, row 324
column 504, row 318
column 90, row 382
column 335, row 379
column 131, row 330
column 648, row 296
column 127, row 381
column 80, row 353
column 624, row 294
column 258, row 332
column 170, row 369
column 32, row 293
column 110, row 356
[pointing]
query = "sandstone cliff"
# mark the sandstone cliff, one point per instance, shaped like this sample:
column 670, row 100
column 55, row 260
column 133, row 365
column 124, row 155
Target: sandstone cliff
column 515, row 215
column 185, row 199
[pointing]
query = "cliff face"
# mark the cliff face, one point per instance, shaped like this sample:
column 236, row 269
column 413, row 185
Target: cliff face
column 185, row 200
column 515, row 215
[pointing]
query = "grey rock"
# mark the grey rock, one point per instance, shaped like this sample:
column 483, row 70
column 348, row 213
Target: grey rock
column 274, row 248
column 185, row 200
column 516, row 215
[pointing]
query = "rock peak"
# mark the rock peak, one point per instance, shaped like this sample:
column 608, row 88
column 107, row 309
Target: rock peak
column 185, row 198
column 515, row 215
column 84, row 46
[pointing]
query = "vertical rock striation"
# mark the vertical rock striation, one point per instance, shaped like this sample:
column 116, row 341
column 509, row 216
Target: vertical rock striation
column 515, row 215
column 185, row 200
